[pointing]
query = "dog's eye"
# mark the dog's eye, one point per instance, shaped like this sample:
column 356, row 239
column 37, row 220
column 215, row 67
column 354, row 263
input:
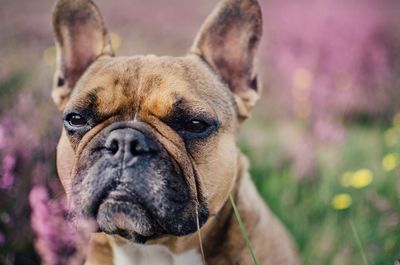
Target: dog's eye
column 76, row 120
column 196, row 126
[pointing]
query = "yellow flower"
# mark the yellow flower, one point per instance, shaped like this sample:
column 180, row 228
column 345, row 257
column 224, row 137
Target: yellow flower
column 389, row 162
column 390, row 136
column 361, row 178
column 341, row 201
column 115, row 40
column 346, row 179
column 396, row 120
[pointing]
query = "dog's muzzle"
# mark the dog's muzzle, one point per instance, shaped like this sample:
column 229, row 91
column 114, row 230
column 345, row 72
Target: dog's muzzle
column 133, row 187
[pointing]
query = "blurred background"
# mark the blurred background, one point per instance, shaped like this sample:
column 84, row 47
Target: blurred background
column 324, row 140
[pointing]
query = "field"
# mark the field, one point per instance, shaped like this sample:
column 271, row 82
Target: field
column 323, row 142
column 349, row 209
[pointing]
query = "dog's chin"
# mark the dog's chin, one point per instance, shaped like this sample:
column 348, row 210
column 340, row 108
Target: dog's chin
column 126, row 219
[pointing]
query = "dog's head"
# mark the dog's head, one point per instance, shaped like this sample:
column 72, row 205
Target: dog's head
column 148, row 146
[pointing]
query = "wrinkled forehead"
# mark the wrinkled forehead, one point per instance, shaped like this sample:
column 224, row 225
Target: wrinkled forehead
column 126, row 85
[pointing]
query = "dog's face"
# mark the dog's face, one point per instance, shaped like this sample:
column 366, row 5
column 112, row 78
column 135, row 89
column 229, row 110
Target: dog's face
column 148, row 145
column 154, row 142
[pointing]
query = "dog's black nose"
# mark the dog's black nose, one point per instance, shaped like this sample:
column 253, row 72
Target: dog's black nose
column 128, row 143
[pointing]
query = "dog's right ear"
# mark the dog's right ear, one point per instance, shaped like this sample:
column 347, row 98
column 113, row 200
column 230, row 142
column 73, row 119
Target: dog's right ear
column 81, row 38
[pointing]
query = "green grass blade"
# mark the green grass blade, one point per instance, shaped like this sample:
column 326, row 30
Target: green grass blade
column 353, row 228
column 244, row 233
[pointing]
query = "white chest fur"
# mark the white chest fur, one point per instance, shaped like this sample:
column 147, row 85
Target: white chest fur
column 134, row 254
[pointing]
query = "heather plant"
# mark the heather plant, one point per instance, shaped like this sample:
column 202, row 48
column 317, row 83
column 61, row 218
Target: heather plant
column 27, row 148
column 26, row 155
column 61, row 237
column 330, row 63
column 330, row 60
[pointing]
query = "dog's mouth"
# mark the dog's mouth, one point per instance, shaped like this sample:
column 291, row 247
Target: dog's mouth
column 119, row 212
column 133, row 213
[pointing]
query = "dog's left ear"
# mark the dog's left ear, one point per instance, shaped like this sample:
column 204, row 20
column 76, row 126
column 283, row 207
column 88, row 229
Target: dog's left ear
column 81, row 38
column 228, row 41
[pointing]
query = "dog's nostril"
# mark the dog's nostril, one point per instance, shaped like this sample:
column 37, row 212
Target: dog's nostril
column 114, row 146
column 135, row 147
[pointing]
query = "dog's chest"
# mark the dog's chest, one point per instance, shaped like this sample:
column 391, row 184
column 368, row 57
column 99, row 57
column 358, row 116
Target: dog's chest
column 133, row 254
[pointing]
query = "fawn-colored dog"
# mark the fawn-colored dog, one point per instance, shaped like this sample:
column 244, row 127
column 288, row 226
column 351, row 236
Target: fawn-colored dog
column 149, row 148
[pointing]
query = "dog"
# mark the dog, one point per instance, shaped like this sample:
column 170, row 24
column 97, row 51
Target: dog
column 148, row 148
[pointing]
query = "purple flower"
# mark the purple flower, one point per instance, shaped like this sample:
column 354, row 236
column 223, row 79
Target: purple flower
column 2, row 239
column 2, row 137
column 326, row 63
column 7, row 178
column 60, row 238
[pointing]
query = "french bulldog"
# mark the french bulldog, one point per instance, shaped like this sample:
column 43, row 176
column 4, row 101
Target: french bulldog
column 148, row 148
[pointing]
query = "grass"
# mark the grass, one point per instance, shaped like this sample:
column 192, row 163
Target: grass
column 360, row 246
column 243, row 230
column 365, row 232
